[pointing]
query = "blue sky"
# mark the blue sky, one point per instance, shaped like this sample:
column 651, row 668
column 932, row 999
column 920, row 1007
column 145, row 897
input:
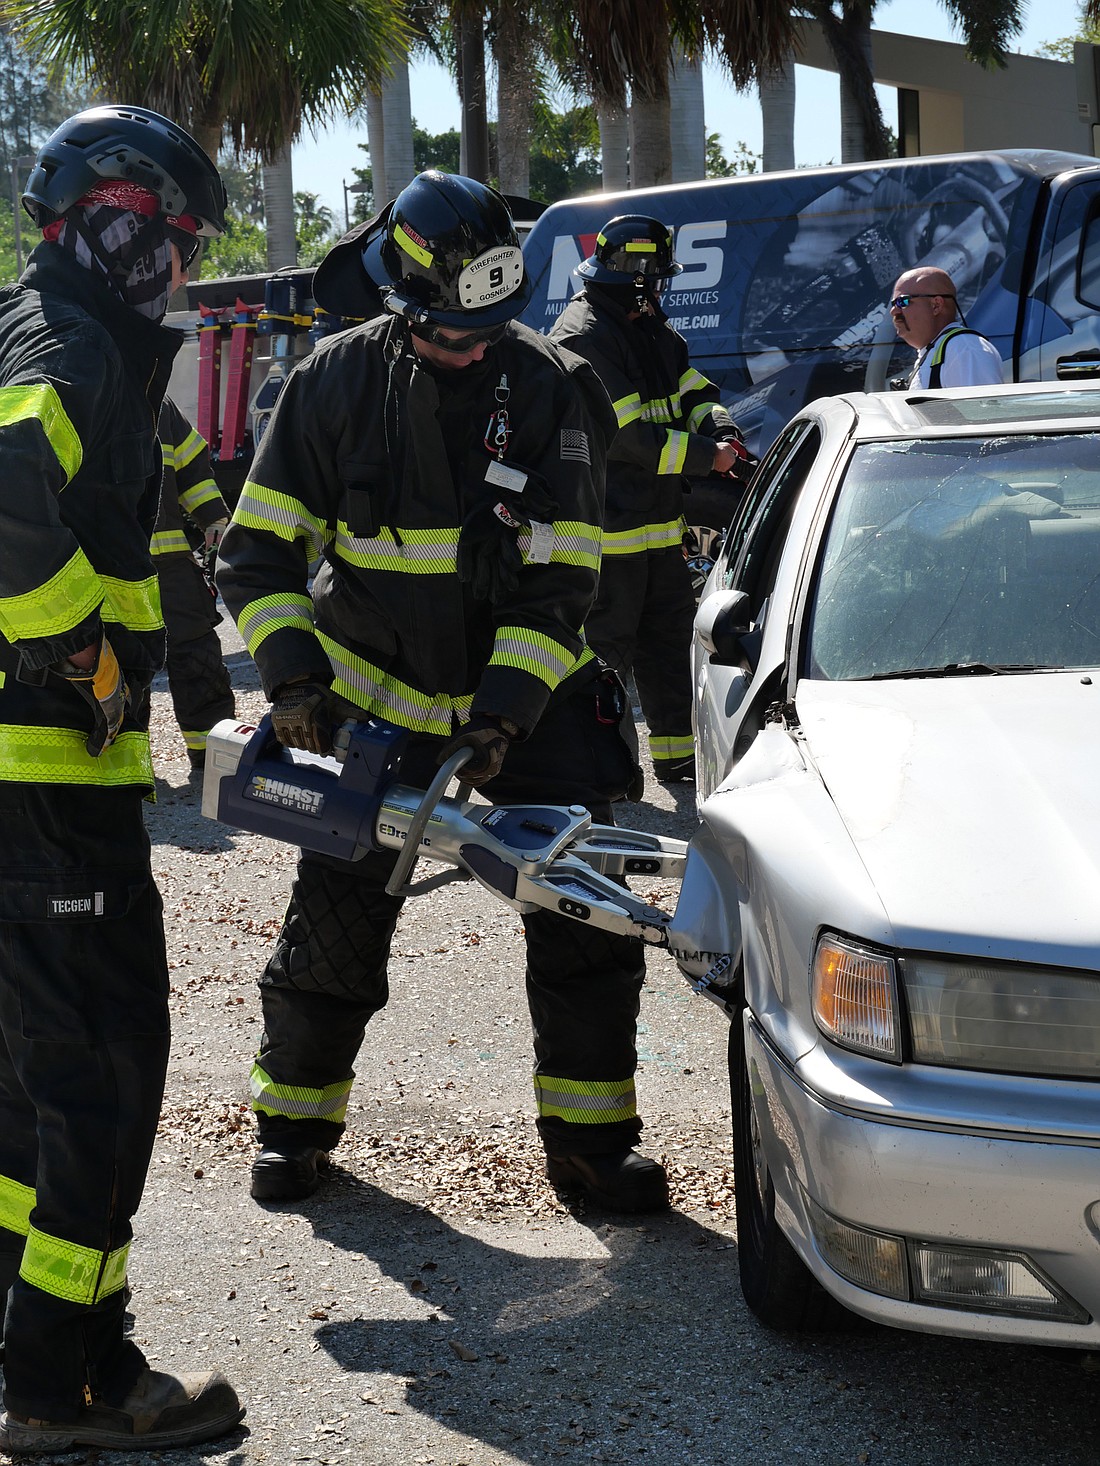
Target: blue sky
column 322, row 164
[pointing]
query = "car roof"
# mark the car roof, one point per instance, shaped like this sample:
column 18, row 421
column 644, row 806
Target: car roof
column 962, row 411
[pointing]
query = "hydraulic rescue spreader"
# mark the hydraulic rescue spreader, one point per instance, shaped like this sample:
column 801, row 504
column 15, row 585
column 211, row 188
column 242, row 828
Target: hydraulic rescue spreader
column 533, row 857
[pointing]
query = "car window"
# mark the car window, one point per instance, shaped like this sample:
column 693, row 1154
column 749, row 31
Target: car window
column 755, row 567
column 771, row 469
column 962, row 552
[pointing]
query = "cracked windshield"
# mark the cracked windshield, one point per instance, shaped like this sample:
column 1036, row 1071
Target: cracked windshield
column 964, row 555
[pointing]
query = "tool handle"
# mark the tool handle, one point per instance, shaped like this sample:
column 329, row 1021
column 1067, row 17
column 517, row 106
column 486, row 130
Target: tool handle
column 419, row 822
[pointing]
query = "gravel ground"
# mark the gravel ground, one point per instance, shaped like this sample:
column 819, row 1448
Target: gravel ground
column 434, row 1304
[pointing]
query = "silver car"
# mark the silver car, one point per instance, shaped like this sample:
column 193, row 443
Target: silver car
column 895, row 888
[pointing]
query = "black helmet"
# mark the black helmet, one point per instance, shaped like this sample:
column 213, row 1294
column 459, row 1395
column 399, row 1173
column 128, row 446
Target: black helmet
column 132, row 145
column 630, row 246
column 451, row 254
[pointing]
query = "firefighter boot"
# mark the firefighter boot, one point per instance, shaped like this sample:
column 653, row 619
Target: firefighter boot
column 160, row 1411
column 284, row 1172
column 620, row 1180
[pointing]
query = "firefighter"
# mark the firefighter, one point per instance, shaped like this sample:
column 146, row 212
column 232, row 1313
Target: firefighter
column 197, row 675
column 671, row 427
column 119, row 194
column 447, row 464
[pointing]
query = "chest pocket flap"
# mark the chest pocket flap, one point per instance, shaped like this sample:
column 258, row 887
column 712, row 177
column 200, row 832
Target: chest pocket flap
column 363, row 488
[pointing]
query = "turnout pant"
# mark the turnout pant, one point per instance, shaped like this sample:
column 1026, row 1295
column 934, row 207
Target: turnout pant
column 641, row 623
column 198, row 678
column 327, row 976
column 83, row 1055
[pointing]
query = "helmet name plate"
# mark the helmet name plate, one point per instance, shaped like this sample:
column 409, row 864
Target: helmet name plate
column 490, row 277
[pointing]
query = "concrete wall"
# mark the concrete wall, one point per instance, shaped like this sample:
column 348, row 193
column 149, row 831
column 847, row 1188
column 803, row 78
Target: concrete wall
column 1030, row 103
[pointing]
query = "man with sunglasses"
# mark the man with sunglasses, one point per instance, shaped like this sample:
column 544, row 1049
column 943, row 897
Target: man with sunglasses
column 447, row 464
column 925, row 310
column 84, row 361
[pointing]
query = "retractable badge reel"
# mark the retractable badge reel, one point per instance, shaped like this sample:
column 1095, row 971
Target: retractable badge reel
column 505, row 476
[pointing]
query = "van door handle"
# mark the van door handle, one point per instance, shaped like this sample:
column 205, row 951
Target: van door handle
column 1073, row 368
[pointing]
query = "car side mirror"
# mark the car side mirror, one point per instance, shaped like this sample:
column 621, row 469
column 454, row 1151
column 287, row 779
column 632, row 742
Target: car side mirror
column 722, row 625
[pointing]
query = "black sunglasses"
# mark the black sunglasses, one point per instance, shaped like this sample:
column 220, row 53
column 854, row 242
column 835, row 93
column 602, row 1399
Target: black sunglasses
column 899, row 302
column 186, row 243
column 430, row 332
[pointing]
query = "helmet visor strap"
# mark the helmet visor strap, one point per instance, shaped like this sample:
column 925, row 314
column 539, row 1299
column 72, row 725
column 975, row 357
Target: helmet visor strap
column 433, row 334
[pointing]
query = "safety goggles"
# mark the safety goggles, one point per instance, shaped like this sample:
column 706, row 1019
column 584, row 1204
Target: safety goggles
column 900, row 302
column 186, row 243
column 433, row 334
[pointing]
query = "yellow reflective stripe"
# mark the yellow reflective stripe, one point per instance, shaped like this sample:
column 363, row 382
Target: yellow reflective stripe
column 585, row 1101
column 186, row 452
column 575, row 543
column 693, row 381
column 281, row 515
column 411, row 247
column 169, row 542
column 414, row 551
column 274, row 613
column 134, row 604
column 57, row 606
column 16, row 1204
column 299, row 1101
column 198, row 495
column 58, row 756
column 366, row 685
column 699, row 414
column 628, row 409
column 196, row 742
column 67, row 1270
column 640, row 247
column 17, row 404
column 674, row 453
column 665, row 748
column 645, row 537
column 531, row 651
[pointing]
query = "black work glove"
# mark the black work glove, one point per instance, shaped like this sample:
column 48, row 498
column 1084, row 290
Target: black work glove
column 489, row 557
column 490, row 738
column 304, row 715
column 103, row 688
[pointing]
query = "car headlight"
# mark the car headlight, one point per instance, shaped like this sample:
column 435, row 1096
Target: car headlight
column 855, row 997
column 1006, row 1017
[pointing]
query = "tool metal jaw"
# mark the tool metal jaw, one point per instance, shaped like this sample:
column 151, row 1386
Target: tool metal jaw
column 533, row 857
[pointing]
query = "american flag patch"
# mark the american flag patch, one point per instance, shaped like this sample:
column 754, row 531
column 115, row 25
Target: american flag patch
column 574, row 445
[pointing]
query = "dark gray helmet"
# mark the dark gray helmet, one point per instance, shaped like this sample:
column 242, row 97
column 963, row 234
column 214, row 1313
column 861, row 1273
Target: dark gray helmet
column 132, row 145
column 630, row 246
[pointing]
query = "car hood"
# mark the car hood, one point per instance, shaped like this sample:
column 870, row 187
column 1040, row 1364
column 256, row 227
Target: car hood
column 974, row 805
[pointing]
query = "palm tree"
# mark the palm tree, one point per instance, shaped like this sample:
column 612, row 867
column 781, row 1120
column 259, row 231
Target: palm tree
column 987, row 29
column 256, row 71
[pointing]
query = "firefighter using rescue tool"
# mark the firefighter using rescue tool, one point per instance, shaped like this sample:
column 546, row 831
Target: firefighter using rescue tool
column 447, row 465
column 120, row 194
column 671, row 427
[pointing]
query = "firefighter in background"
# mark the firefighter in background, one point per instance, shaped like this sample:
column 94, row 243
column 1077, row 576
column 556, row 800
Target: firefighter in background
column 671, row 427
column 197, row 675
column 119, row 194
column 448, row 465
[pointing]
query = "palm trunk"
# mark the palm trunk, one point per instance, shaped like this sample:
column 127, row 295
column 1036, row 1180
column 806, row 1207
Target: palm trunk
column 687, row 125
column 777, row 100
column 650, row 140
column 282, row 247
column 862, row 129
column 397, row 142
column 514, row 54
column 475, row 117
column 614, row 146
column 376, row 146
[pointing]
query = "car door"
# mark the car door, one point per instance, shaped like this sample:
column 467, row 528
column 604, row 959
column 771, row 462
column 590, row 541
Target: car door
column 728, row 687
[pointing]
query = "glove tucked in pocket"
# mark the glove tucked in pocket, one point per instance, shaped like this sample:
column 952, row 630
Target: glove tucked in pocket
column 103, row 688
column 489, row 557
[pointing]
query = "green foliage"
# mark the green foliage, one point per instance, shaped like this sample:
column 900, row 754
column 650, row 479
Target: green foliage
column 1062, row 49
column 744, row 160
column 565, row 153
column 314, row 227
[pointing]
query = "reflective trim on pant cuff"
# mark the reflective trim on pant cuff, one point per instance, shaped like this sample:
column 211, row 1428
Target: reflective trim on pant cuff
column 16, row 1205
column 585, row 1101
column 67, row 1270
column 299, row 1101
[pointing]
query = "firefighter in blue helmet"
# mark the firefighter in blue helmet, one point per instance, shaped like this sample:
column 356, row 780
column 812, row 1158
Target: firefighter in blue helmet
column 120, row 195
column 671, row 428
column 447, row 465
